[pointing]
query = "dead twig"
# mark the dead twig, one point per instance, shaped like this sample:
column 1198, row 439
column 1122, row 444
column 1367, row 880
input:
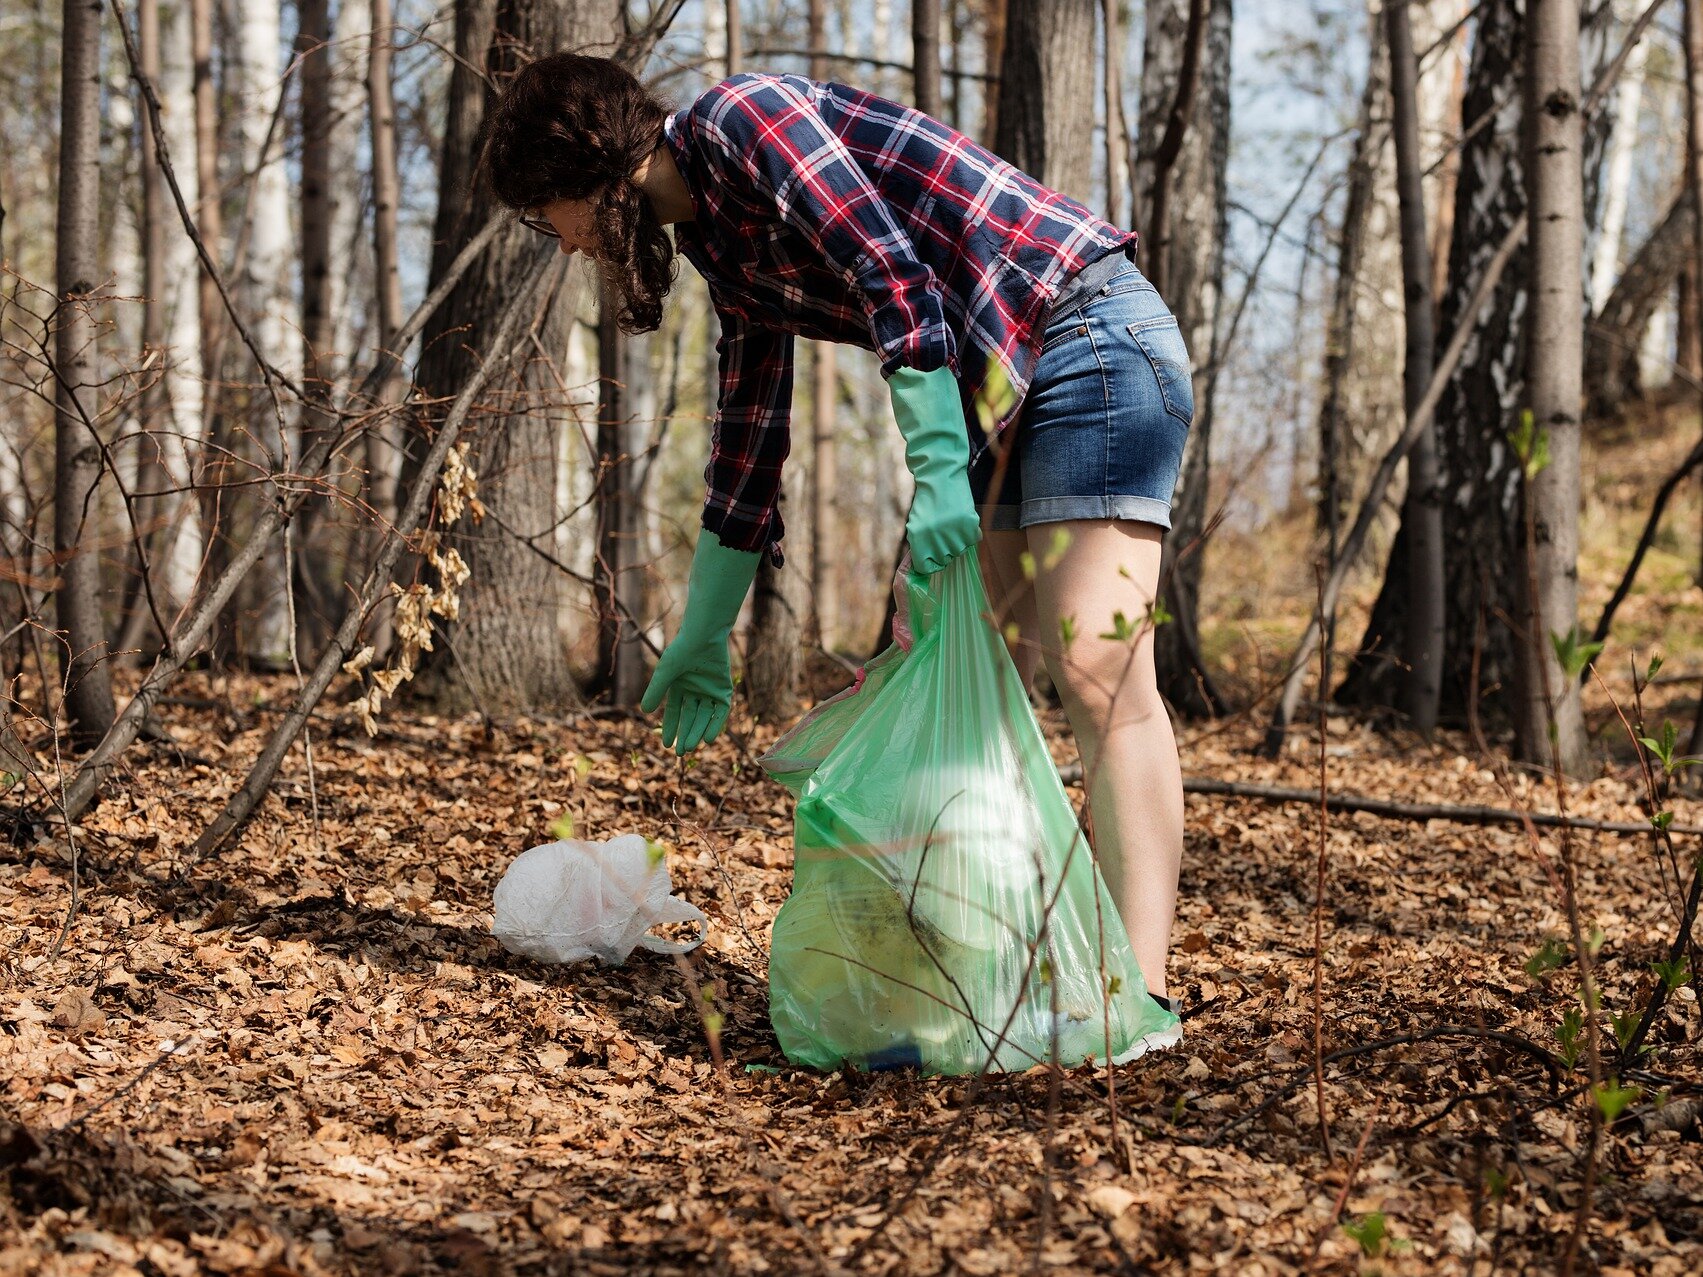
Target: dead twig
column 1071, row 774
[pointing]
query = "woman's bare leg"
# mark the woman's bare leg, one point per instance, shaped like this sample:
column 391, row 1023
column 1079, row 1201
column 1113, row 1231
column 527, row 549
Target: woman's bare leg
column 1099, row 568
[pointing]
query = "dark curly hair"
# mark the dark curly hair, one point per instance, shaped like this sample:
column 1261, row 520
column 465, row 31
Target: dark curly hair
column 575, row 127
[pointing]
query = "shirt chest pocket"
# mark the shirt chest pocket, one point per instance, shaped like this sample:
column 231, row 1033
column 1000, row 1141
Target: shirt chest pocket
column 778, row 253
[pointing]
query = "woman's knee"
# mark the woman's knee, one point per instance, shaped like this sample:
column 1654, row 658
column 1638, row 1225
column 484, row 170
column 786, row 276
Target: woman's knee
column 1112, row 680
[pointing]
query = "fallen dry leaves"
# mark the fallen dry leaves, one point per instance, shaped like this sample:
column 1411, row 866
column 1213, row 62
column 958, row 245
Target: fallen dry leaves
column 308, row 1056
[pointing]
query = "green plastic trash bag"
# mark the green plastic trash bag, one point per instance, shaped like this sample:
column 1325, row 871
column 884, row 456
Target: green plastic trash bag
column 946, row 911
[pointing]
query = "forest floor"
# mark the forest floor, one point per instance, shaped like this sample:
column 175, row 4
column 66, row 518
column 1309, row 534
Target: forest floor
column 308, row 1055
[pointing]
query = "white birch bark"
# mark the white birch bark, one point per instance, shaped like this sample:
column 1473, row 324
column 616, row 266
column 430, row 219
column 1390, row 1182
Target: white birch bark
column 350, row 246
column 179, row 564
column 264, row 285
column 121, row 251
column 1622, row 150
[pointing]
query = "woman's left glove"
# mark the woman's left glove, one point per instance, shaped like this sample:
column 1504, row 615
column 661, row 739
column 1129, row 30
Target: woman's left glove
column 942, row 522
column 694, row 674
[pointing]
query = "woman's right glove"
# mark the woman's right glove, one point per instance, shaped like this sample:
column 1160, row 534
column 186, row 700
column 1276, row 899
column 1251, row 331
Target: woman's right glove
column 943, row 522
column 694, row 674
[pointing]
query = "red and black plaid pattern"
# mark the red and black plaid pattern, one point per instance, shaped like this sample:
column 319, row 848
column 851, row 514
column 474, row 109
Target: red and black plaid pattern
column 830, row 213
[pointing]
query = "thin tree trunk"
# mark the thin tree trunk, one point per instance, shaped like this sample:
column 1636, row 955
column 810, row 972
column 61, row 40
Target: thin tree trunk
column 383, row 441
column 825, row 547
column 993, row 57
column 1423, row 509
column 619, row 577
column 314, row 69
column 1117, row 143
column 179, row 562
column 1193, row 267
column 1369, row 140
column 154, row 406
column 925, row 55
column 1687, row 336
column 351, row 57
column 774, row 645
column 955, row 79
column 209, row 216
column 1548, row 720
column 735, row 39
column 264, row 631
column 77, row 451
column 1694, row 158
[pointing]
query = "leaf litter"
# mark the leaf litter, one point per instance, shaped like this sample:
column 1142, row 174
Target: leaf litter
column 307, row 1055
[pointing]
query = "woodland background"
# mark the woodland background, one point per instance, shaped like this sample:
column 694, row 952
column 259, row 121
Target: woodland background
column 339, row 530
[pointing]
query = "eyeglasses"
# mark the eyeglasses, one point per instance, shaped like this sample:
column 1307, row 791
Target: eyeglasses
column 540, row 225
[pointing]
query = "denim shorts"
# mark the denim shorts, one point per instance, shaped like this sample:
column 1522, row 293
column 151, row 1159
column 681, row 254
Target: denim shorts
column 1101, row 433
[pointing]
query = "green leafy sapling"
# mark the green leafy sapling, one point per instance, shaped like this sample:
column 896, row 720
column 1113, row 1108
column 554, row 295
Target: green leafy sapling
column 1551, row 955
column 1613, row 1098
column 1573, row 652
column 1570, row 1033
column 1371, row 1231
column 1672, row 973
column 1666, row 747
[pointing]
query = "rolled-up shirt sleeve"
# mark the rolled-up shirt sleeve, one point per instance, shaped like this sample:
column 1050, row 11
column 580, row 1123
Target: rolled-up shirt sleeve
column 771, row 133
column 751, row 436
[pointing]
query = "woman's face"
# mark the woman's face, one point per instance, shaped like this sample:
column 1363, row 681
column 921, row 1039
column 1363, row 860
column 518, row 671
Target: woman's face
column 571, row 220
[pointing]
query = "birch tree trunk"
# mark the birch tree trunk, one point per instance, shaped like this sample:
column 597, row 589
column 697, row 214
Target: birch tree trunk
column 1422, row 512
column 264, row 635
column 209, row 215
column 1192, row 267
column 170, row 330
column 77, row 455
column 351, row 57
column 1548, row 721
column 1048, row 106
column 1694, row 162
column 384, row 442
column 825, row 546
column 179, row 563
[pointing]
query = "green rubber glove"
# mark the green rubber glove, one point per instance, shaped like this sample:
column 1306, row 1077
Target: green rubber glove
column 943, row 522
column 694, row 675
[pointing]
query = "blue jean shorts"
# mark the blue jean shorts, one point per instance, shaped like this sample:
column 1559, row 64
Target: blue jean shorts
column 1101, row 433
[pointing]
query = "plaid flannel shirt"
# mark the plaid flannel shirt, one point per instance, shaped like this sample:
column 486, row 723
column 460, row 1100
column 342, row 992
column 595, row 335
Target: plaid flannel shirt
column 826, row 212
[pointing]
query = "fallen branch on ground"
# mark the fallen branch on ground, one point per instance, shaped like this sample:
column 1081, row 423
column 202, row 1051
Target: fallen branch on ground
column 1071, row 774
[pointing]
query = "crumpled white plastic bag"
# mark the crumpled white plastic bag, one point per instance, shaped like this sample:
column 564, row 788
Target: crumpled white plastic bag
column 568, row 901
